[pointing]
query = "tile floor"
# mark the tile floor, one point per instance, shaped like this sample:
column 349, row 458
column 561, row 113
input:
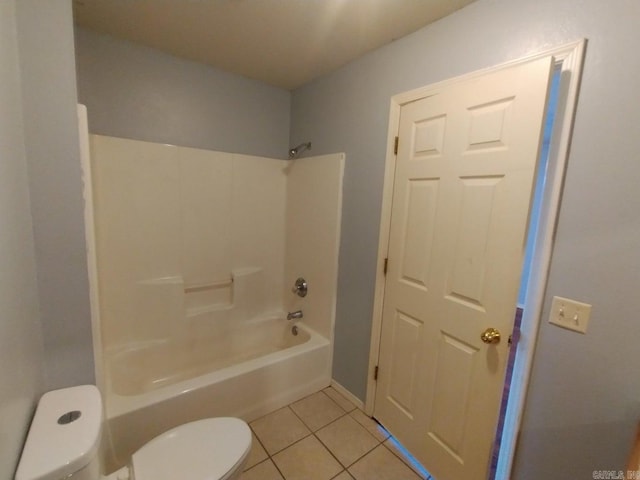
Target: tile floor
column 325, row 437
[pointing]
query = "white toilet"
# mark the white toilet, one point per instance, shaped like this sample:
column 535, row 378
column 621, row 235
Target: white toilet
column 65, row 434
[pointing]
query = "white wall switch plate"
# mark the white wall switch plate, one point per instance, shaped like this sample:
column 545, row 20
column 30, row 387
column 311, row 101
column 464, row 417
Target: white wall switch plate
column 567, row 313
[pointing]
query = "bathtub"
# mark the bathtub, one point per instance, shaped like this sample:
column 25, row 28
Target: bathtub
column 260, row 367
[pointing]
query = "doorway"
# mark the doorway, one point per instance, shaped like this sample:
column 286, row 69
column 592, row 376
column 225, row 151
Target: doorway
column 569, row 59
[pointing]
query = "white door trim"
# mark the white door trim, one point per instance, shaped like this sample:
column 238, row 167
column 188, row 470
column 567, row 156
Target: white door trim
column 570, row 57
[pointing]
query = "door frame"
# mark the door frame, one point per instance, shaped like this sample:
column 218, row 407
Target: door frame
column 569, row 58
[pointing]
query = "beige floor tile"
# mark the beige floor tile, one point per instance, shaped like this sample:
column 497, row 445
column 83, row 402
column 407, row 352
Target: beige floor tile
column 343, row 476
column 317, row 410
column 340, row 399
column 347, row 440
column 393, row 446
column 381, row 464
column 371, row 425
column 257, row 454
column 263, row 471
column 308, row 460
column 279, row 429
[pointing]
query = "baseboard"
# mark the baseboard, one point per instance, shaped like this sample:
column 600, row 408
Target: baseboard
column 346, row 393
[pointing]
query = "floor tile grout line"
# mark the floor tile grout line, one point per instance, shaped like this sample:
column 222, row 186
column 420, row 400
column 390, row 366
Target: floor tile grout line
column 340, row 473
column 268, row 459
column 278, row 468
column 269, row 456
column 290, row 445
column 257, row 438
column 313, row 433
column 345, row 413
column 330, row 452
column 310, row 432
column 331, row 399
column 319, row 428
column 403, row 460
column 384, row 443
column 265, row 451
column 346, row 467
column 265, row 448
column 345, row 398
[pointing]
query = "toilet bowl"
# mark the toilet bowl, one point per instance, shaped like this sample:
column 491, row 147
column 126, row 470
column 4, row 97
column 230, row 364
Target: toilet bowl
column 65, row 433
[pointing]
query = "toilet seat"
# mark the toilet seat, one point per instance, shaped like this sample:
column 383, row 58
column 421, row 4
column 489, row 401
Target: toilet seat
column 209, row 449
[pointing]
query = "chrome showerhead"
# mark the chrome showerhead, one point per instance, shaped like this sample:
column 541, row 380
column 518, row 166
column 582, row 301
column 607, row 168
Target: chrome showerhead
column 296, row 151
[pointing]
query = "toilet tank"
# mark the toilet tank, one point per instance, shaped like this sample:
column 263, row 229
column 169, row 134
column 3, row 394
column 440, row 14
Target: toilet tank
column 64, row 436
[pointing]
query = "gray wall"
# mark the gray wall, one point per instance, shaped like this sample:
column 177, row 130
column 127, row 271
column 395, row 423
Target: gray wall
column 45, row 36
column 132, row 91
column 584, row 398
column 21, row 352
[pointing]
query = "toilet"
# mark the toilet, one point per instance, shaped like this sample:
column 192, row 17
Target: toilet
column 65, row 434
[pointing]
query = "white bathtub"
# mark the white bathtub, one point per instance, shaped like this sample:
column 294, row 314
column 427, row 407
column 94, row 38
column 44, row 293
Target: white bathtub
column 256, row 370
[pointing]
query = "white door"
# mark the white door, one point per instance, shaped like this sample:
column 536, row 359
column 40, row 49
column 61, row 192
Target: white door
column 463, row 183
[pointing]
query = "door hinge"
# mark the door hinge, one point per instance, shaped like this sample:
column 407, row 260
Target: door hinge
column 395, row 146
column 386, row 265
column 375, row 373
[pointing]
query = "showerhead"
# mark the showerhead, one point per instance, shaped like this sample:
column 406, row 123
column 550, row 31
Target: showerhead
column 296, row 151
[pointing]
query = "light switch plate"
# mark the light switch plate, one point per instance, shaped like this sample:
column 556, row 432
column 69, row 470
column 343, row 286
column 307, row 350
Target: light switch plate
column 570, row 314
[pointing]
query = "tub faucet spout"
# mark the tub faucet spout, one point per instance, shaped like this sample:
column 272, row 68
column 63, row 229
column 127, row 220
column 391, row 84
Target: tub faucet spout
column 294, row 315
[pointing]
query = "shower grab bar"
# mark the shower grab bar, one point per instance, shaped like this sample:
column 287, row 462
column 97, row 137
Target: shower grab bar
column 207, row 286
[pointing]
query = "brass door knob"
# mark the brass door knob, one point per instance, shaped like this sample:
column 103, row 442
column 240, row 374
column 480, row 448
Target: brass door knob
column 490, row 335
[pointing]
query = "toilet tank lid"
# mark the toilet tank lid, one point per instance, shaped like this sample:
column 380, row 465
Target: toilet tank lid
column 64, row 434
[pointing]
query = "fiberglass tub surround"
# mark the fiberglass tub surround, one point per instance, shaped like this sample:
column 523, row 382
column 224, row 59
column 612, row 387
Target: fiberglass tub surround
column 197, row 253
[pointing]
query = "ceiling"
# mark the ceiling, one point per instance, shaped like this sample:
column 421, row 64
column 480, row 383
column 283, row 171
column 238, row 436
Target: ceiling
column 285, row 43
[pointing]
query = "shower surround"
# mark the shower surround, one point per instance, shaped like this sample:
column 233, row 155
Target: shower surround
column 196, row 254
